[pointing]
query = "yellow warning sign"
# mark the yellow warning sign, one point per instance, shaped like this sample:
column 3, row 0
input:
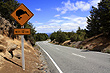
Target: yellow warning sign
column 22, row 31
column 22, row 14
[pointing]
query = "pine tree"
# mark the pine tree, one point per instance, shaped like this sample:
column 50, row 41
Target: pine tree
column 99, row 20
column 7, row 7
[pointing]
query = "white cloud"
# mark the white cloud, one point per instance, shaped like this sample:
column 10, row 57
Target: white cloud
column 54, row 21
column 58, row 9
column 83, row 6
column 94, row 2
column 65, row 23
column 39, row 9
column 66, row 18
column 68, row 6
column 57, row 15
column 81, row 21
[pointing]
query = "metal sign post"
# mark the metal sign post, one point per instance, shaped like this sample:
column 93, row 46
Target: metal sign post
column 22, row 46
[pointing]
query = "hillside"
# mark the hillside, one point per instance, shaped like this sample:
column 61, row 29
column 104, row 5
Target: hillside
column 10, row 52
column 100, row 43
column 10, row 57
column 97, row 43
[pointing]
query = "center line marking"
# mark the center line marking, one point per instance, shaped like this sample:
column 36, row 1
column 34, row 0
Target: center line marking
column 78, row 55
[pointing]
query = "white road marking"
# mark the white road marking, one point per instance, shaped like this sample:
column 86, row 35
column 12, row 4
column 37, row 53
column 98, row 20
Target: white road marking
column 78, row 55
column 101, row 53
column 51, row 59
column 57, row 48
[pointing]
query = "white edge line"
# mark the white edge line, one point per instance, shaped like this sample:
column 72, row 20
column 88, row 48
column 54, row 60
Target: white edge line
column 51, row 59
column 101, row 53
column 78, row 55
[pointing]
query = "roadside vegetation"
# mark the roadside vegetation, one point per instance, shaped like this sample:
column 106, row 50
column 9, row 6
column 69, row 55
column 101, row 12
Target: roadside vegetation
column 61, row 36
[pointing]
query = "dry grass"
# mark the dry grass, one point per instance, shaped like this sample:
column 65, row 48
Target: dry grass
column 14, row 65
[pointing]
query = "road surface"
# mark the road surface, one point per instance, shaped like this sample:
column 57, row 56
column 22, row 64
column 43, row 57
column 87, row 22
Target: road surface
column 72, row 60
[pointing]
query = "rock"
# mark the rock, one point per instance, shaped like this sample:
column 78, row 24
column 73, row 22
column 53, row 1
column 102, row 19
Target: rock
column 35, row 71
column 3, row 42
column 37, row 64
column 41, row 65
column 53, row 41
column 84, row 50
column 18, row 56
column 1, row 62
column 4, row 26
column 72, row 44
column 2, row 49
column 8, row 55
column 1, row 37
column 11, row 47
column 66, row 43
column 77, row 44
column 40, row 68
column 56, row 42
column 90, row 46
column 28, row 42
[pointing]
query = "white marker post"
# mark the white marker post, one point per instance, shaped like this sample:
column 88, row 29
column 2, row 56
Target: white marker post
column 22, row 46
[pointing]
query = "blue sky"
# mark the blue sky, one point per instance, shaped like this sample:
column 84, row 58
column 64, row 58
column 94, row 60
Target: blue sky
column 51, row 15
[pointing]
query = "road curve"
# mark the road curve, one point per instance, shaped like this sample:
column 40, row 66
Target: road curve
column 72, row 60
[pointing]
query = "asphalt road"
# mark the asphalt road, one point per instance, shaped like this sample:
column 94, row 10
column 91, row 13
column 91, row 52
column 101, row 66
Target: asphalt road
column 72, row 60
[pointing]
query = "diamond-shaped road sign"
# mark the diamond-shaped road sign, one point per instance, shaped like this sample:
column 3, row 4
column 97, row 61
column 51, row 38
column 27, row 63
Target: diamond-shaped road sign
column 22, row 14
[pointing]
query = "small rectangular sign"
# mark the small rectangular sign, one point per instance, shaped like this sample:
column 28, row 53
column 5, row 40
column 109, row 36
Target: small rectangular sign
column 22, row 31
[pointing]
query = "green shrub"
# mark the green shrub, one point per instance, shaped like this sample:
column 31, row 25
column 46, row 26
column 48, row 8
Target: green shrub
column 81, row 47
column 107, row 51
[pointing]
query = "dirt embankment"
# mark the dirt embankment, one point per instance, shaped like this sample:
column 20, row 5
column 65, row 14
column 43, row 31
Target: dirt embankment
column 10, row 57
column 10, row 52
column 99, row 43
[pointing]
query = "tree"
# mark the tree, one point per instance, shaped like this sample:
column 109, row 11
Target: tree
column 41, row 37
column 70, row 34
column 7, row 7
column 32, row 36
column 93, row 22
column 104, row 8
column 99, row 20
column 61, row 37
column 81, row 34
column 74, row 37
column 53, row 36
